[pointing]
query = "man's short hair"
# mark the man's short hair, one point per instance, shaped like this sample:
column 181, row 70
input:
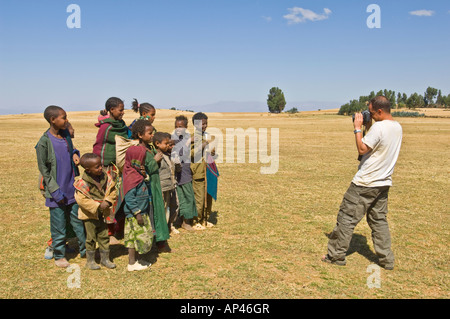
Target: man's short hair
column 381, row 102
column 86, row 158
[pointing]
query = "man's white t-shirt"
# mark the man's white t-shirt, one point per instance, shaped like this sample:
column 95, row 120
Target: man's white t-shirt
column 376, row 167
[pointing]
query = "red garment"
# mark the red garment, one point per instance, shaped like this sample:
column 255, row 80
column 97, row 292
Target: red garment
column 134, row 162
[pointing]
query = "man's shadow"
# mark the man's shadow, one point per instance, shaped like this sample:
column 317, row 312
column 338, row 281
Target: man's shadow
column 359, row 244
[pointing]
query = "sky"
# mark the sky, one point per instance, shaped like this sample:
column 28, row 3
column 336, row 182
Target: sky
column 217, row 55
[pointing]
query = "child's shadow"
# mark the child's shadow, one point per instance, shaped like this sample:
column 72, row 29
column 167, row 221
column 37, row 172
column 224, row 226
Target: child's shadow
column 359, row 244
column 152, row 256
column 213, row 217
column 116, row 251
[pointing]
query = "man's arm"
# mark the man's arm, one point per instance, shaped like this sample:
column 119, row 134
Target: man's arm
column 361, row 147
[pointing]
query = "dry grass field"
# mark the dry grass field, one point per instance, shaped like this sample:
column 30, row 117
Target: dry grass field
column 270, row 230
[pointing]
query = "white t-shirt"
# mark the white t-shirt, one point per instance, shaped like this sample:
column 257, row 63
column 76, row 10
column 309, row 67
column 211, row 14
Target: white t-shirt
column 376, row 167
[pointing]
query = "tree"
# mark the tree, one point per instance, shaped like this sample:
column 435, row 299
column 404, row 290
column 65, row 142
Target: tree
column 430, row 94
column 440, row 100
column 415, row 100
column 275, row 100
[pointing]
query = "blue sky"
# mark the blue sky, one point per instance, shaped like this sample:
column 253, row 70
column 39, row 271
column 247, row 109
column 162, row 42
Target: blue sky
column 197, row 53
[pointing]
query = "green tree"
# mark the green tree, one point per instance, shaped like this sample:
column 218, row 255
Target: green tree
column 430, row 94
column 415, row 100
column 440, row 100
column 275, row 100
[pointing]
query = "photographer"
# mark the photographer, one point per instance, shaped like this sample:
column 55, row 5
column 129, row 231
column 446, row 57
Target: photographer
column 368, row 192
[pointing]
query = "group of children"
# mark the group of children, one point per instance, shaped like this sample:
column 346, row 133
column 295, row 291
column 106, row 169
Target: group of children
column 158, row 185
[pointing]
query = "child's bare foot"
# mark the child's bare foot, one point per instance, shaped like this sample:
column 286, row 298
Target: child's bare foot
column 113, row 240
column 173, row 230
column 62, row 263
column 199, row 226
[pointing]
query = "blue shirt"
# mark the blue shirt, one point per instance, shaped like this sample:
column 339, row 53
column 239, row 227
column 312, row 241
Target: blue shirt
column 65, row 176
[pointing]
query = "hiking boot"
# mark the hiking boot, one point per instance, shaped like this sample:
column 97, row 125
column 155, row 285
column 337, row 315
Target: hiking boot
column 90, row 263
column 104, row 259
column 62, row 263
column 326, row 259
column 388, row 267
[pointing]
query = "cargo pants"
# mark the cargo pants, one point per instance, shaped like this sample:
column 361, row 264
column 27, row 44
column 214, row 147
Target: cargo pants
column 357, row 202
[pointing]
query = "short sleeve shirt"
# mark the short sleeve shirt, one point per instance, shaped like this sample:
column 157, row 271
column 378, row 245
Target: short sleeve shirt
column 376, row 167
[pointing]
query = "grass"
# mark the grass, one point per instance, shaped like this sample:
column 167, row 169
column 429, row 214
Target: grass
column 407, row 114
column 271, row 229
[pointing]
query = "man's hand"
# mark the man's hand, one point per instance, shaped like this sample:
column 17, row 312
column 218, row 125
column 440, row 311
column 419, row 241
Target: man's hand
column 139, row 219
column 358, row 122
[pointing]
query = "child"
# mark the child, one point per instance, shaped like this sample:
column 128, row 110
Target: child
column 108, row 128
column 95, row 194
column 160, row 141
column 105, row 147
column 70, row 233
column 183, row 174
column 198, row 168
column 146, row 112
column 167, row 178
column 57, row 162
column 136, row 196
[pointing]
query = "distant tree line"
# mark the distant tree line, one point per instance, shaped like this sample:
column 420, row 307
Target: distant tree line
column 431, row 98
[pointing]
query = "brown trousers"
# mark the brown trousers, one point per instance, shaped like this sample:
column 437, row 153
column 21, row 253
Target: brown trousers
column 203, row 201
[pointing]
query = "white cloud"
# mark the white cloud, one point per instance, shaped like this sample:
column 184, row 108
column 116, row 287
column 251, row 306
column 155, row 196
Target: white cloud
column 422, row 13
column 300, row 15
column 268, row 19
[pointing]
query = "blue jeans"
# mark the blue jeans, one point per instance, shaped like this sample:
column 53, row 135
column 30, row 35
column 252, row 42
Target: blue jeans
column 58, row 219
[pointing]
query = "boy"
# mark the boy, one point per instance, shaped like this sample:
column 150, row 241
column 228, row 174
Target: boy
column 183, row 174
column 198, row 168
column 167, row 178
column 57, row 163
column 95, row 194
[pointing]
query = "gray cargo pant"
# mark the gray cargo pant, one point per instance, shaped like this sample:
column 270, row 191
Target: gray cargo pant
column 359, row 200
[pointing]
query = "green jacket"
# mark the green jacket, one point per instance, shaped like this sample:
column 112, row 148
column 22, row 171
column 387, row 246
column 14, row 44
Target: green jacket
column 46, row 160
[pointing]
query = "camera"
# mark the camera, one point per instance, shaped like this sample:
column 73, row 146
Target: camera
column 367, row 118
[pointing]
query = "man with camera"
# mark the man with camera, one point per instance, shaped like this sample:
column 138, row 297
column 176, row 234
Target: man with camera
column 368, row 192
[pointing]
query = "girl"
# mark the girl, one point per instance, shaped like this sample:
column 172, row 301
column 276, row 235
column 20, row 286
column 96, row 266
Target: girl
column 105, row 147
column 135, row 197
column 108, row 128
column 146, row 112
